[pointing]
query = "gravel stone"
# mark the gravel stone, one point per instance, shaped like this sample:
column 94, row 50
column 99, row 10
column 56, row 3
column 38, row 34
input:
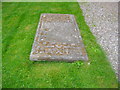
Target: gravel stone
column 102, row 18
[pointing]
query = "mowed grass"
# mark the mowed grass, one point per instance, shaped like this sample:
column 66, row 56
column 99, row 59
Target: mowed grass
column 0, row 45
column 19, row 22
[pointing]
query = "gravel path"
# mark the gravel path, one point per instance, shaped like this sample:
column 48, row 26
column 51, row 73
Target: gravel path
column 102, row 18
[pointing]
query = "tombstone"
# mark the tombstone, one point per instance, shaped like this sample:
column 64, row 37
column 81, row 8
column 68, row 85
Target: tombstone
column 58, row 39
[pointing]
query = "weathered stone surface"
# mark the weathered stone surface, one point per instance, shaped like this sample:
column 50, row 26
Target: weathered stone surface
column 58, row 39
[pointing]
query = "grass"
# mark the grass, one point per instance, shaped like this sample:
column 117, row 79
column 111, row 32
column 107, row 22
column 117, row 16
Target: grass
column 19, row 22
column 0, row 45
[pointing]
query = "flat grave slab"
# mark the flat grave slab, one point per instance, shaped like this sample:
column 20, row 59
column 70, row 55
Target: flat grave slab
column 58, row 39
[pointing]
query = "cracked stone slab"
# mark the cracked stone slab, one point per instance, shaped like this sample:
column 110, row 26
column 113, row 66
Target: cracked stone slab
column 58, row 39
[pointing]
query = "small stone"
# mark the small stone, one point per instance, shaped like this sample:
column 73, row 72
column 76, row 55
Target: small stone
column 58, row 46
column 72, row 44
column 53, row 43
column 75, row 36
column 50, row 46
column 43, row 15
column 44, row 43
column 88, row 63
column 40, row 52
column 49, row 55
column 66, row 47
column 70, row 57
column 42, row 39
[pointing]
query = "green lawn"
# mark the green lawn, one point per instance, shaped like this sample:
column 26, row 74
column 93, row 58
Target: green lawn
column 19, row 24
column 0, row 45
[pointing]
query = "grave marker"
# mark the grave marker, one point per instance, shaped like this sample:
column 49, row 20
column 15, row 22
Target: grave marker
column 58, row 39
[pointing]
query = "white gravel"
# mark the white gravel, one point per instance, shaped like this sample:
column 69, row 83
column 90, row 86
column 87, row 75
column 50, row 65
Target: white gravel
column 102, row 18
